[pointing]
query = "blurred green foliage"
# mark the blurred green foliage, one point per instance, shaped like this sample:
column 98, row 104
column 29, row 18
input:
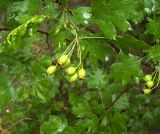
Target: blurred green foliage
column 31, row 102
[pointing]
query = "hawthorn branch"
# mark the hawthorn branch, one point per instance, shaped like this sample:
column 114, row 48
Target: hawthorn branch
column 39, row 31
column 47, row 37
column 116, row 48
column 43, row 32
column 119, row 96
column 148, row 64
column 19, row 121
column 4, row 29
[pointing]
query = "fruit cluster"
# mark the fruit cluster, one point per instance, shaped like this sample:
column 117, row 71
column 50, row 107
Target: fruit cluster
column 149, row 84
column 73, row 72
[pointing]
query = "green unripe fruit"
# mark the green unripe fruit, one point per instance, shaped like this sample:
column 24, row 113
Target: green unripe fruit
column 67, row 63
column 71, row 70
column 150, row 84
column 63, row 59
column 148, row 77
column 51, row 70
column 81, row 73
column 73, row 77
column 147, row 91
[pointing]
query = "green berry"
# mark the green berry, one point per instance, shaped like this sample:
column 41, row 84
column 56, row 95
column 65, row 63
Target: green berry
column 73, row 77
column 150, row 84
column 82, row 73
column 63, row 59
column 67, row 63
column 148, row 77
column 71, row 70
column 147, row 91
column 51, row 70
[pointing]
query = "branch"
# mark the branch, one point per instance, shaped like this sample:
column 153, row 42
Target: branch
column 47, row 35
column 40, row 31
column 21, row 120
column 118, row 97
column 148, row 64
column 4, row 29
column 115, row 47
column 43, row 32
